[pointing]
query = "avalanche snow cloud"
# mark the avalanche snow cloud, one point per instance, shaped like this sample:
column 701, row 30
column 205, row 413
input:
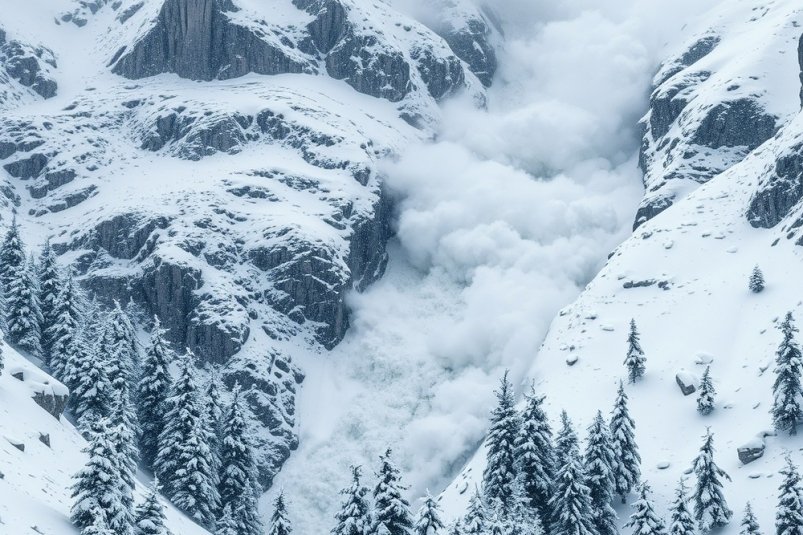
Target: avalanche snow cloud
column 502, row 222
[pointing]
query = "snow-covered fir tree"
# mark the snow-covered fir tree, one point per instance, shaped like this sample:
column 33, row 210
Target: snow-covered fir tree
column 23, row 316
column 635, row 359
column 149, row 517
column 354, row 516
column 390, row 507
column 92, row 395
column 279, row 521
column 710, row 507
column 535, row 459
column 97, row 488
column 429, row 519
column 12, row 255
column 571, row 502
column 786, row 408
column 499, row 477
column 599, row 476
column 644, row 519
column 626, row 458
column 213, row 414
column 49, row 287
column 123, row 436
column 756, row 283
column 681, row 521
column 705, row 396
column 60, row 334
column 226, row 525
column 476, row 520
column 184, row 462
column 121, row 335
column 789, row 513
column 749, row 524
column 155, row 384
column 565, row 440
column 237, row 478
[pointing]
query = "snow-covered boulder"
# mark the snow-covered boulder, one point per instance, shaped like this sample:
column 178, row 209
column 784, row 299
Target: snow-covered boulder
column 687, row 382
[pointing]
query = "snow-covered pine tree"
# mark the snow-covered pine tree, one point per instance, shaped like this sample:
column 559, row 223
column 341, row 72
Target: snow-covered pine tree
column 149, row 518
column 279, row 522
column 226, row 524
column 626, row 458
column 123, row 436
column 499, row 477
column 429, row 519
column 635, row 359
column 710, row 507
column 354, row 516
column 565, row 440
column 97, row 486
column 644, row 519
column 63, row 328
column 238, row 468
column 12, row 255
column 705, row 397
column 571, row 502
column 123, row 340
column 390, row 507
column 213, row 413
column 749, row 524
column 92, row 395
column 155, row 384
column 535, row 458
column 786, row 408
column 756, row 283
column 184, row 462
column 23, row 316
column 789, row 514
column 49, row 286
column 476, row 519
column 681, row 522
column 599, row 476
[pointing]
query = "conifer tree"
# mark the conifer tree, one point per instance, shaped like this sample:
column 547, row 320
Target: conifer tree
column 149, row 518
column 786, row 408
column 476, row 520
column 626, row 458
column 599, row 476
column 565, row 441
column 279, row 522
column 705, row 398
column 92, row 390
column 682, row 522
column 390, row 508
column 710, row 508
column 226, row 525
column 500, row 474
column 238, row 469
column 756, row 280
column 354, row 516
column 123, row 341
column 184, row 461
column 49, row 286
column 644, row 520
column 98, row 527
column 123, row 437
column 23, row 316
column 64, row 328
column 96, row 491
column 635, row 359
column 429, row 519
column 789, row 514
column 155, row 384
column 213, row 414
column 749, row 522
column 12, row 255
column 535, row 459
column 571, row 502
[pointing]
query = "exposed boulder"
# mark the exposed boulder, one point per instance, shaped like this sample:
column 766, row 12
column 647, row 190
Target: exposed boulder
column 196, row 39
column 753, row 449
column 686, row 381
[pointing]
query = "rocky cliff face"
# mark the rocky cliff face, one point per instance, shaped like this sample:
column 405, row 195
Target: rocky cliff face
column 26, row 71
column 241, row 209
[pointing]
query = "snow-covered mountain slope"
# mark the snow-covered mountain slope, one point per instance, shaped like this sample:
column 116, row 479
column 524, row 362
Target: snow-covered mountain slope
column 216, row 162
column 683, row 276
column 40, row 453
